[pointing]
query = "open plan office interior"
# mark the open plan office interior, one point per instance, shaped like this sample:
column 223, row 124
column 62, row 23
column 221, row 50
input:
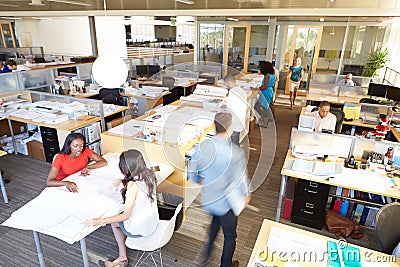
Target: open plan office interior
column 176, row 54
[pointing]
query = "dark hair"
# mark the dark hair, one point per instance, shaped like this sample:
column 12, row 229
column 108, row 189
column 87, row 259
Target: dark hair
column 222, row 121
column 71, row 137
column 267, row 68
column 324, row 104
column 133, row 167
column 11, row 62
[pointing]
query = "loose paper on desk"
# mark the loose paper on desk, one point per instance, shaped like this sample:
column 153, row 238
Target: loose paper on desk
column 298, row 246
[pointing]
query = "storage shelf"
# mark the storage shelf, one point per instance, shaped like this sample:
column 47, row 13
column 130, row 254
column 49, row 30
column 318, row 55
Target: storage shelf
column 357, row 200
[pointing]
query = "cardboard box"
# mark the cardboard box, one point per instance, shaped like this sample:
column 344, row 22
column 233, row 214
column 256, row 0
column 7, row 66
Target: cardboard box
column 36, row 150
column 17, row 127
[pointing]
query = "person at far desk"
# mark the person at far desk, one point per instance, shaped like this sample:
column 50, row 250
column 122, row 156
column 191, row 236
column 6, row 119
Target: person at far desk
column 325, row 121
column 237, row 106
column 140, row 215
column 73, row 157
column 347, row 81
column 15, row 67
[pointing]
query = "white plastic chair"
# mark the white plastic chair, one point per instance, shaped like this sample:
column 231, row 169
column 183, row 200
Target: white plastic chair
column 154, row 242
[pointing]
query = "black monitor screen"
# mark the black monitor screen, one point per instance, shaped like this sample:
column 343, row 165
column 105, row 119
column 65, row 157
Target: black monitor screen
column 3, row 57
column 154, row 69
column 393, row 93
column 142, row 70
column 377, row 89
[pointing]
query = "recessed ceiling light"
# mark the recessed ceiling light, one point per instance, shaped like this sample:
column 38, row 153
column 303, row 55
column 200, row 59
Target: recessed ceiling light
column 188, row 2
column 9, row 18
column 321, row 19
column 332, row 1
column 36, row 3
column 232, row 19
column 8, row 5
column 69, row 2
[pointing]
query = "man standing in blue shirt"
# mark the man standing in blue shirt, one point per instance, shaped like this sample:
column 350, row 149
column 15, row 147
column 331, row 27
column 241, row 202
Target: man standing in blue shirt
column 219, row 164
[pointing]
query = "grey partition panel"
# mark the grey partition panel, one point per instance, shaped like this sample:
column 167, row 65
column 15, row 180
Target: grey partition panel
column 324, row 78
column 363, row 146
column 352, row 91
column 323, row 89
column 84, row 71
column 343, row 143
column 374, row 109
column 8, row 83
column 40, row 79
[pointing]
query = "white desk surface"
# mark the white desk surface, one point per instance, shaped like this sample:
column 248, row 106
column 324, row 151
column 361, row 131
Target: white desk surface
column 332, row 99
column 60, row 213
column 361, row 180
column 368, row 257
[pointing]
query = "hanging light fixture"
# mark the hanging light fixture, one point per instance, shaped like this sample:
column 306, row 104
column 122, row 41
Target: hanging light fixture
column 109, row 70
column 333, row 31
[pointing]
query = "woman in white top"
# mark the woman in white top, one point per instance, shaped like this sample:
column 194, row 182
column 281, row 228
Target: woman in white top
column 140, row 215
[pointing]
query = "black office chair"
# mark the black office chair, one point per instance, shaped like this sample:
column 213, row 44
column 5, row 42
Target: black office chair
column 339, row 117
column 168, row 82
column 369, row 101
column 110, row 96
column 387, row 226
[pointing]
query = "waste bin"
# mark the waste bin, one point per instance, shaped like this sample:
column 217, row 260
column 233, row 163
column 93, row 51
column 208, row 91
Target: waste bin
column 167, row 204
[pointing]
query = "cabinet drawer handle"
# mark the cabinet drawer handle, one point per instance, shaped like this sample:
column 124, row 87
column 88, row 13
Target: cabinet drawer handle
column 313, row 184
column 310, row 191
column 309, row 205
column 308, row 212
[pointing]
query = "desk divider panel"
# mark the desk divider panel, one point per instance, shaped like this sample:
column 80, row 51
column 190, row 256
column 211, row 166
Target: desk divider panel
column 40, row 79
column 9, row 83
column 94, row 107
column 343, row 142
column 353, row 91
column 349, row 145
column 323, row 89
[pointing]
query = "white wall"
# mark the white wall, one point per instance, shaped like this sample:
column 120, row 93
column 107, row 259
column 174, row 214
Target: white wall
column 60, row 36
column 110, row 32
column 29, row 26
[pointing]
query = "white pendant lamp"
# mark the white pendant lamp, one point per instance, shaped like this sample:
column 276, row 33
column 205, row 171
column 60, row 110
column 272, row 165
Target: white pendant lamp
column 108, row 69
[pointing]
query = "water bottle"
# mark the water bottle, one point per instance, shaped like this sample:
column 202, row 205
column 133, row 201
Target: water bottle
column 353, row 130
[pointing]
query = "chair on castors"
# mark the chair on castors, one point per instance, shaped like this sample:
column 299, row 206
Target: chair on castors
column 387, row 226
column 167, row 81
column 154, row 242
column 110, row 96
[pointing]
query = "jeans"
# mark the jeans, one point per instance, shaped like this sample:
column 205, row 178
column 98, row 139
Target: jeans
column 228, row 223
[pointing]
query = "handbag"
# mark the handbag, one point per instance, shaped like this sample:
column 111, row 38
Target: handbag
column 341, row 225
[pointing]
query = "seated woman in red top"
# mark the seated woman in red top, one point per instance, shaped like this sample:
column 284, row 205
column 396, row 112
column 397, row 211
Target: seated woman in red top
column 73, row 157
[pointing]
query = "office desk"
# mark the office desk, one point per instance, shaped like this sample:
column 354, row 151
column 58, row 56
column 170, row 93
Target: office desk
column 375, row 258
column 117, row 109
column 85, row 95
column 360, row 180
column 60, row 213
column 186, row 86
column 166, row 153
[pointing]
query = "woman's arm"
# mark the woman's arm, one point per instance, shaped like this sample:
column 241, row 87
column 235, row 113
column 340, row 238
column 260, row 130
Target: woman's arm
column 266, row 82
column 51, row 181
column 301, row 75
column 287, row 74
column 131, row 194
column 99, row 162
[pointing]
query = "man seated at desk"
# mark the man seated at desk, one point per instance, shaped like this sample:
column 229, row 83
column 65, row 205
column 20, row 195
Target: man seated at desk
column 347, row 81
column 324, row 121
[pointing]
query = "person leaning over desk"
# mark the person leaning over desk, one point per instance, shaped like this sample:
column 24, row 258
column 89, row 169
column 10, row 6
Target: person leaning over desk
column 140, row 215
column 73, row 157
column 325, row 121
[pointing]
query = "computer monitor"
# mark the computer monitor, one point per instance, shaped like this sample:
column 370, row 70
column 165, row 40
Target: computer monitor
column 142, row 70
column 377, row 89
column 393, row 93
column 39, row 60
column 153, row 69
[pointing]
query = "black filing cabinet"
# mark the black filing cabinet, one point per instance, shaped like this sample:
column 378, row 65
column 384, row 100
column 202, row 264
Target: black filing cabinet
column 50, row 142
column 310, row 203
